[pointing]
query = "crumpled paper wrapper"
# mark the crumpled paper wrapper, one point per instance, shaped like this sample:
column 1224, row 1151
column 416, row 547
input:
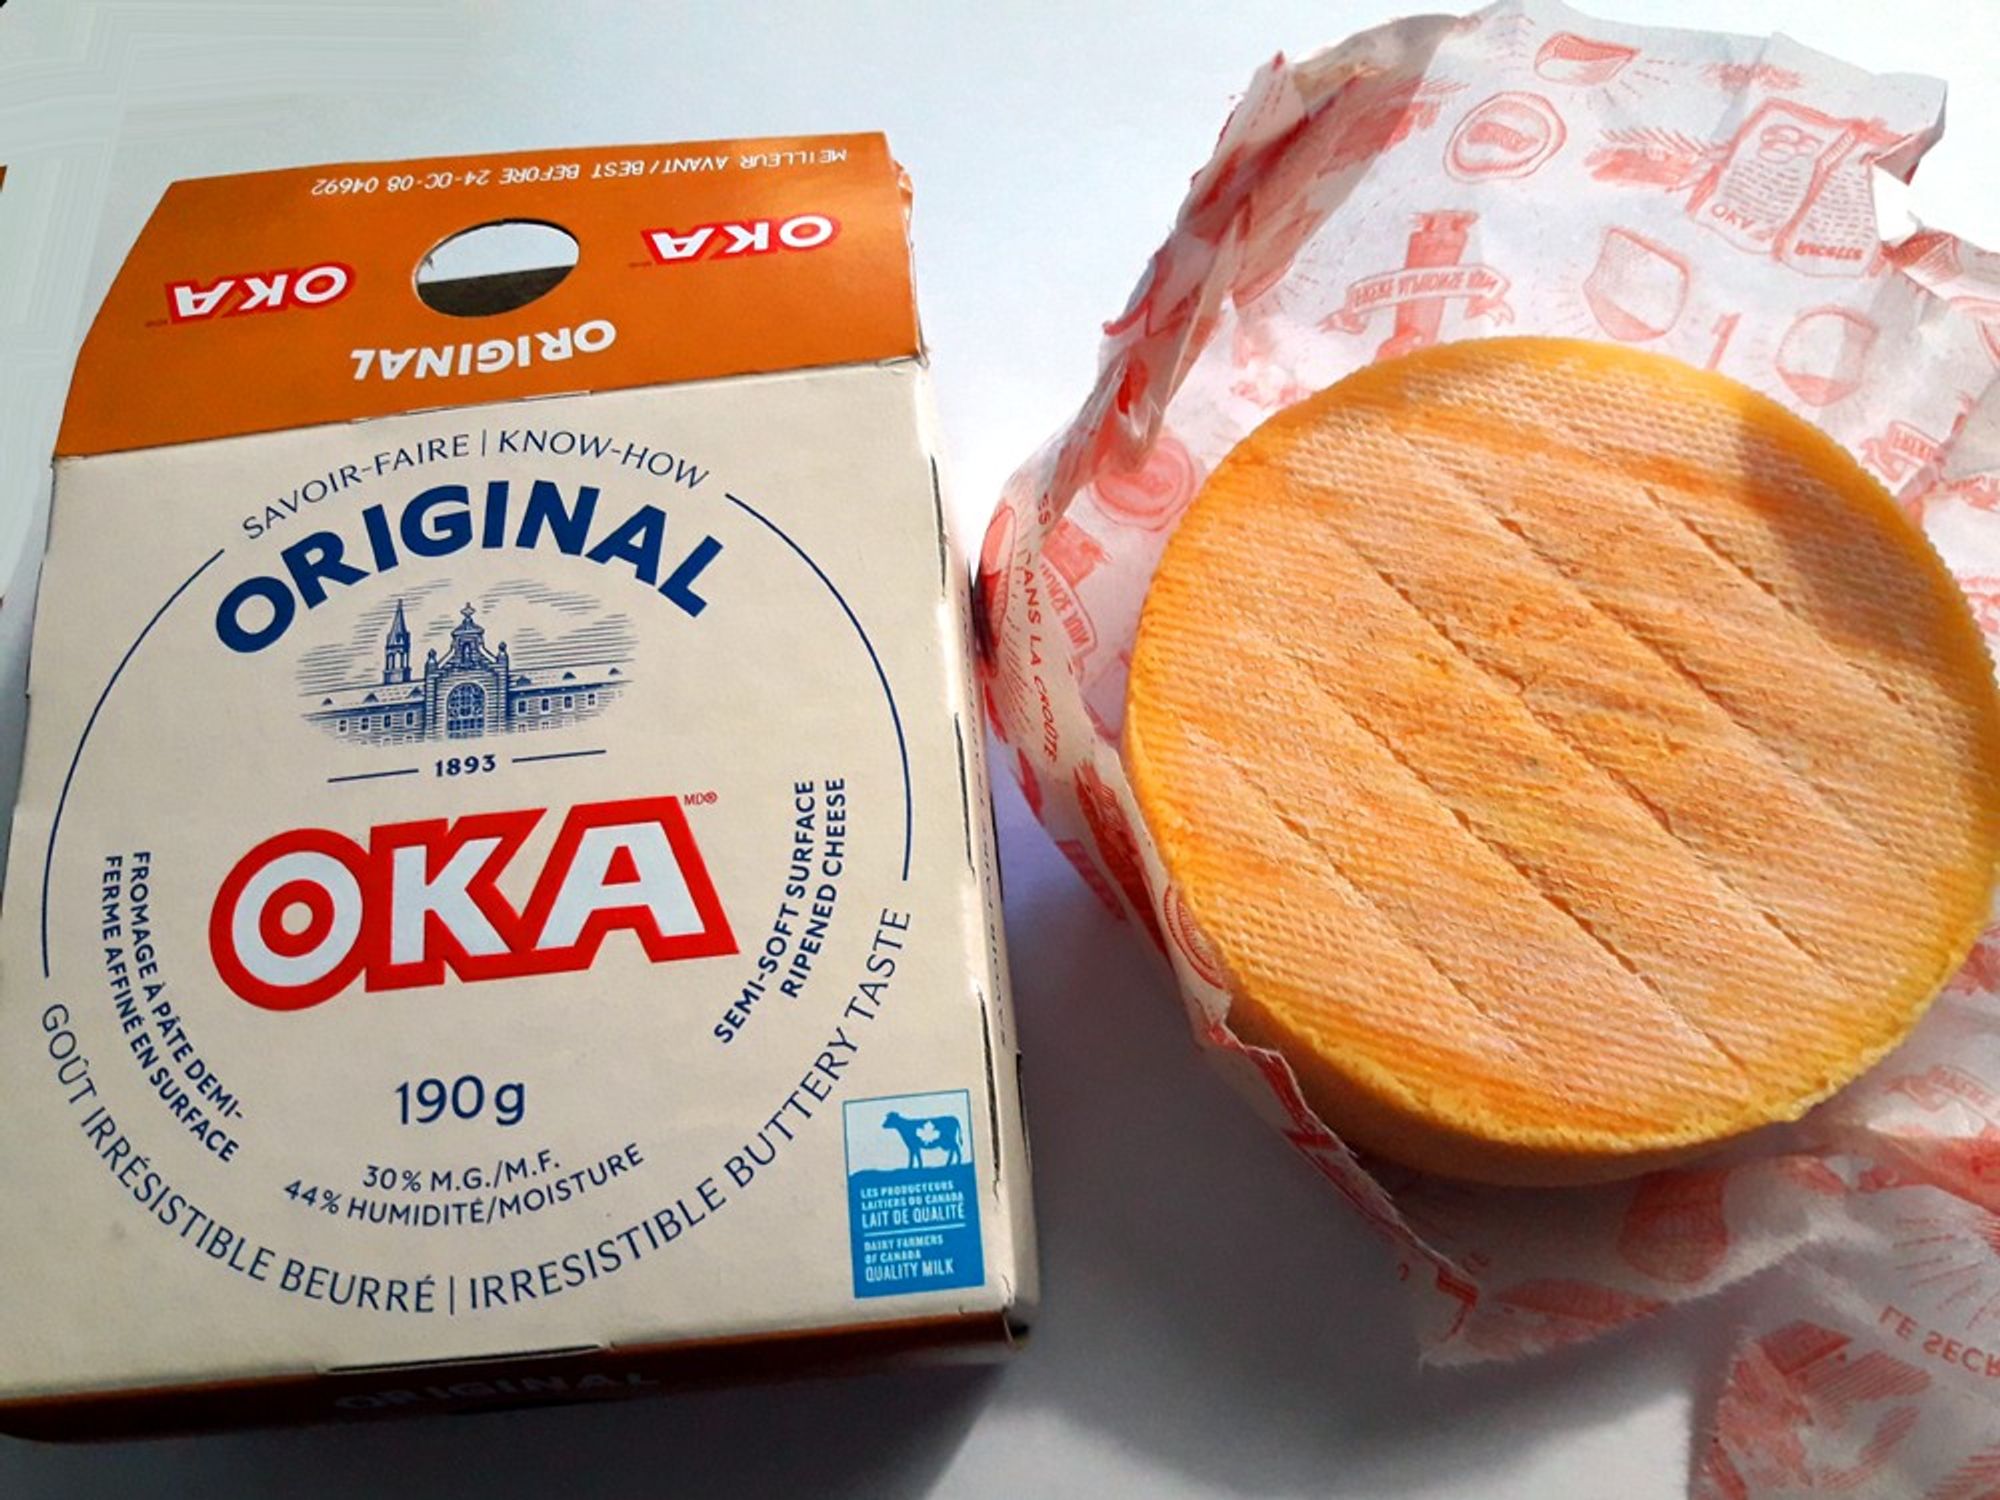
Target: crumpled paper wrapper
column 1529, row 169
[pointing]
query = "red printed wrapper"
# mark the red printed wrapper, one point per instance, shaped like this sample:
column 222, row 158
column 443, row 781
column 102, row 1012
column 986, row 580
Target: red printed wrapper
column 1528, row 169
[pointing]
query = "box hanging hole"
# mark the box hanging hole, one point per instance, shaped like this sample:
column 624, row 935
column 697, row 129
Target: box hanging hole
column 495, row 267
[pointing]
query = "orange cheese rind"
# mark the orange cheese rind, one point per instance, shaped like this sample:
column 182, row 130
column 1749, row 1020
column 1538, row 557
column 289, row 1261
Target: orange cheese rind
column 1575, row 759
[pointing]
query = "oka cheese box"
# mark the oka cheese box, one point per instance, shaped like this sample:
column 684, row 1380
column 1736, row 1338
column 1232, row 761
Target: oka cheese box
column 502, row 902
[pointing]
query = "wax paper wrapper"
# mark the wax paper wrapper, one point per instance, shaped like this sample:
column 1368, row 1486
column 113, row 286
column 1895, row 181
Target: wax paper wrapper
column 1529, row 169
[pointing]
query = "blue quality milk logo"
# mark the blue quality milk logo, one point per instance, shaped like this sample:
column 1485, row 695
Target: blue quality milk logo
column 912, row 1194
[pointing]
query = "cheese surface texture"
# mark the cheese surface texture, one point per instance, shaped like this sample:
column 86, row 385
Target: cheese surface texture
column 1575, row 759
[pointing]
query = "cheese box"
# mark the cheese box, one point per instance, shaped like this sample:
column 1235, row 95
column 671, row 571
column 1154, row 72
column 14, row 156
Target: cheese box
column 502, row 902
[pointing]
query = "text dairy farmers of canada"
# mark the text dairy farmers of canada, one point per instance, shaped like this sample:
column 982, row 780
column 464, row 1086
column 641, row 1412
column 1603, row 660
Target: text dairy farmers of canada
column 499, row 847
column 444, row 519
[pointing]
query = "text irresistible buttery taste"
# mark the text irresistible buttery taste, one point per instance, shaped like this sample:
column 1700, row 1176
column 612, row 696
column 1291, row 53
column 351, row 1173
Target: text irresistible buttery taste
column 501, row 904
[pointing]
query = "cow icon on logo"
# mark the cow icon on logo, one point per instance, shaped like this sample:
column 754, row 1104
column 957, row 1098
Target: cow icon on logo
column 936, row 1133
column 912, row 1193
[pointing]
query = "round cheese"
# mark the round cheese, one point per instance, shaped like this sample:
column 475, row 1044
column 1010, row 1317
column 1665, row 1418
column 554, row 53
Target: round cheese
column 1575, row 759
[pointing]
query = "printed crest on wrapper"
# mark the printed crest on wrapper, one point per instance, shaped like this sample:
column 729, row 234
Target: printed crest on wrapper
column 1529, row 169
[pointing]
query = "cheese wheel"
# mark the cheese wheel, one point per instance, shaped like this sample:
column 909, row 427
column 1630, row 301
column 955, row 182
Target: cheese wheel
column 1575, row 759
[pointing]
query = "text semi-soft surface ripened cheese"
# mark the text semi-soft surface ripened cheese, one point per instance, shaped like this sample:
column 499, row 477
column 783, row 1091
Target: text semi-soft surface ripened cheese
column 1576, row 758
column 502, row 903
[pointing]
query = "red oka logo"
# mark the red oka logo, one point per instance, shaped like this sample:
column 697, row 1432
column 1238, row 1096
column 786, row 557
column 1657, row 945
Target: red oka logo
column 732, row 238
column 308, row 911
column 258, row 292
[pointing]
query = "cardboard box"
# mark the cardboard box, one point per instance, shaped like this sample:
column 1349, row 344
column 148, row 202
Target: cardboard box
column 502, row 899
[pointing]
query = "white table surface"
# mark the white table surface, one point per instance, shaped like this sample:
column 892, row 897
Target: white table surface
column 1215, row 1322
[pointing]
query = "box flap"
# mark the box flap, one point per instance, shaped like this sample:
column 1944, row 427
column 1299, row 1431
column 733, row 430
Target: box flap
column 286, row 299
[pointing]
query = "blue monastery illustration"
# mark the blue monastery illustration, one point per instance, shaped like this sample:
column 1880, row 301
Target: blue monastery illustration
column 468, row 692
